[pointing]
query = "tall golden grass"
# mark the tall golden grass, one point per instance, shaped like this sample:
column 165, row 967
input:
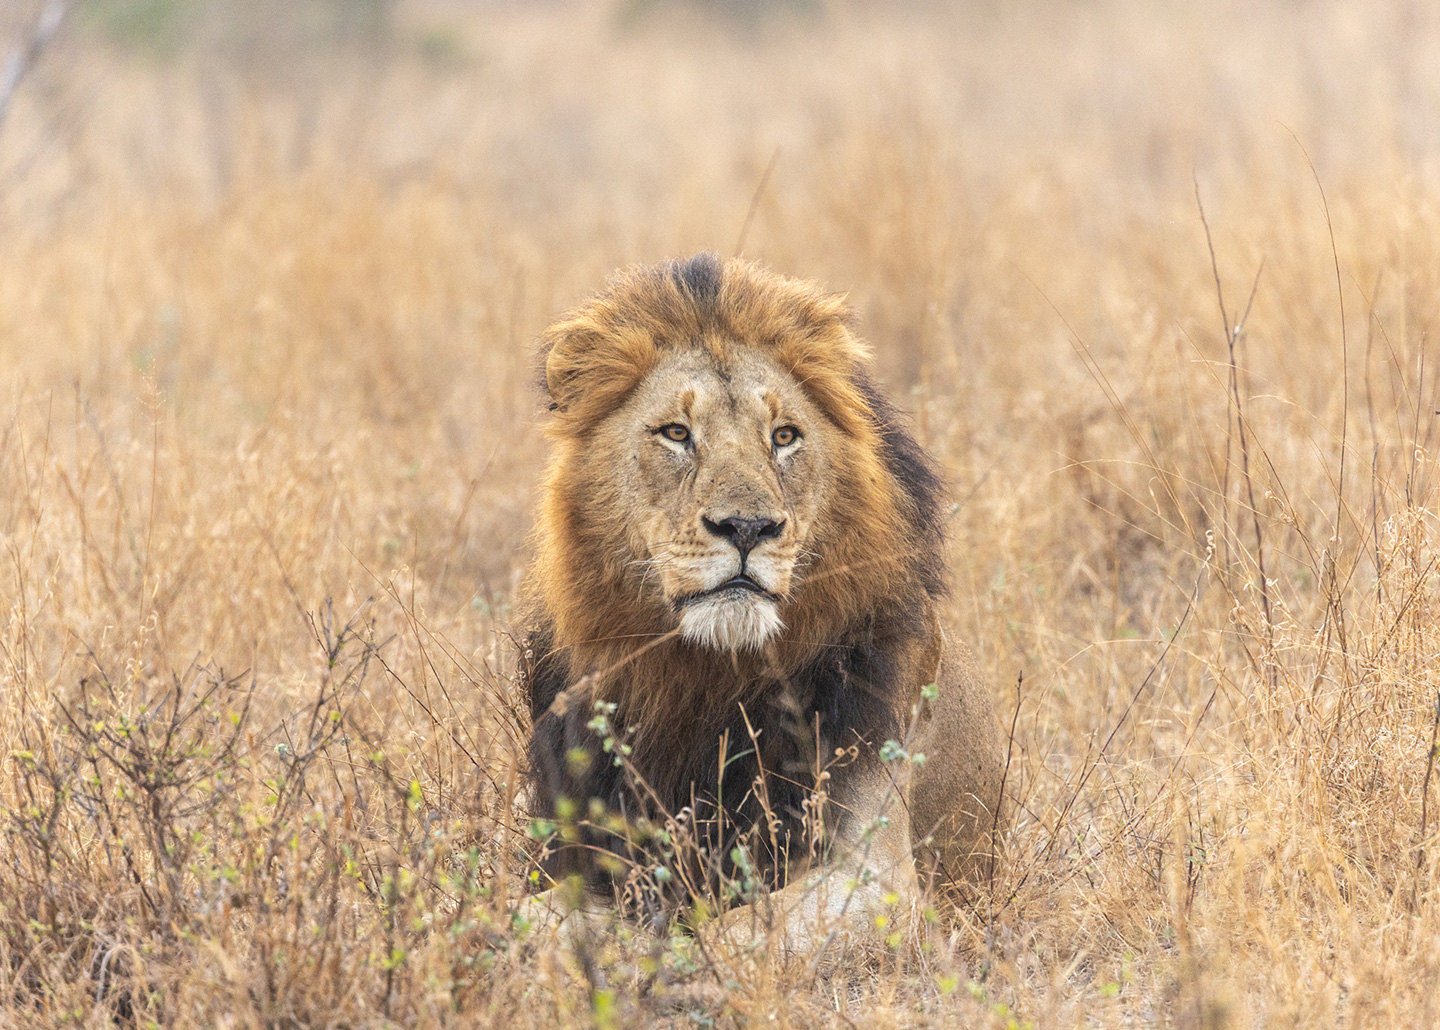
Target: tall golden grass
column 270, row 438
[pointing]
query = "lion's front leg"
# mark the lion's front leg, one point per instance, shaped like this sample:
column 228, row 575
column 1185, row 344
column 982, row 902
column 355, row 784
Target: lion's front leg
column 566, row 911
column 866, row 894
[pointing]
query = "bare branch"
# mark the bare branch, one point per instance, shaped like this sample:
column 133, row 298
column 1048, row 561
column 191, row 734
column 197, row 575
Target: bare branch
column 24, row 56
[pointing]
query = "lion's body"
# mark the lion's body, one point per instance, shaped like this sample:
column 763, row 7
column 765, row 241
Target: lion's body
column 741, row 549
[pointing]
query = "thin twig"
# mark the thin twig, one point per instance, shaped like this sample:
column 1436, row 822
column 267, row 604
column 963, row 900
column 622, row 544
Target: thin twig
column 1214, row 265
column 755, row 202
column 1232, row 336
column 1344, row 339
column 1336, row 610
column 1425, row 788
column 1000, row 797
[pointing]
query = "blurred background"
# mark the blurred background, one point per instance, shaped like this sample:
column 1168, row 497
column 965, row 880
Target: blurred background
column 201, row 96
column 378, row 203
column 270, row 276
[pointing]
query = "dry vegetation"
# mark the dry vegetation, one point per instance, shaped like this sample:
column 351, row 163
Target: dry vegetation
column 269, row 440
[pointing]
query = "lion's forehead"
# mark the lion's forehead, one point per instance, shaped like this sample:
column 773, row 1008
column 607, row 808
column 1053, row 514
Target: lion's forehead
column 720, row 388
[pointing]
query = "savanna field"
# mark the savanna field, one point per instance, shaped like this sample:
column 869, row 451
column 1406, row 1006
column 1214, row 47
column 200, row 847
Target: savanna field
column 1159, row 285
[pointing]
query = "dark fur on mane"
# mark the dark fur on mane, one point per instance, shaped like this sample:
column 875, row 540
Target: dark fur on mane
column 922, row 485
column 700, row 277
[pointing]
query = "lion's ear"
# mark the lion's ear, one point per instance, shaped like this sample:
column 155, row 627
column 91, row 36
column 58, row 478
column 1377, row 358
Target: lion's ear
column 589, row 368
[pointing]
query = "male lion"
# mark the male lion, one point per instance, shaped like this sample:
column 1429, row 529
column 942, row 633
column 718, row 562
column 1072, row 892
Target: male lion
column 734, row 607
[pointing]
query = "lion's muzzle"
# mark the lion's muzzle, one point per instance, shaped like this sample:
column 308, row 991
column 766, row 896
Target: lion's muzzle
column 741, row 610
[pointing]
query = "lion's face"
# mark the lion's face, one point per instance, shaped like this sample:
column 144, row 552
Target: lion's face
column 720, row 471
column 721, row 464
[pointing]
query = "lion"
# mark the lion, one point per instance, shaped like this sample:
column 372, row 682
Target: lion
column 734, row 629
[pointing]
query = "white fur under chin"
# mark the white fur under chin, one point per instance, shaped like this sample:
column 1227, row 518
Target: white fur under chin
column 730, row 623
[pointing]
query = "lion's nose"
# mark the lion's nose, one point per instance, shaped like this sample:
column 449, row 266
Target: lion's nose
column 744, row 533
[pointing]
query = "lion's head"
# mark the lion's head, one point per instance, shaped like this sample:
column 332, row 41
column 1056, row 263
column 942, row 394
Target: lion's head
column 723, row 471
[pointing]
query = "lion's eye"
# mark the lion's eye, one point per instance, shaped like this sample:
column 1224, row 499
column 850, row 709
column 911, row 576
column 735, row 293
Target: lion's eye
column 674, row 432
column 785, row 436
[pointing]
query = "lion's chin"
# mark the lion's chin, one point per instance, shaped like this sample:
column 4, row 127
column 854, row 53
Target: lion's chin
column 726, row 622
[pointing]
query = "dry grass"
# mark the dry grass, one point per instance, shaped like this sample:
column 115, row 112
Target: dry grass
column 268, row 444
